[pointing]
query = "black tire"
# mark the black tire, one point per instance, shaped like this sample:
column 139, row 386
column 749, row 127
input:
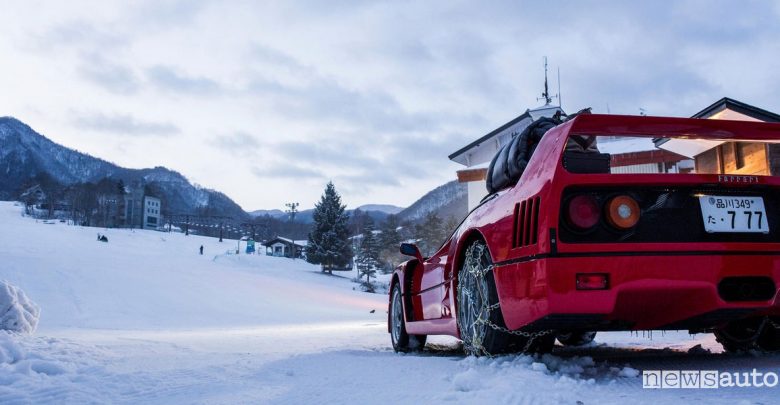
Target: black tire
column 769, row 339
column 402, row 341
column 480, row 321
column 576, row 338
column 510, row 161
column 750, row 334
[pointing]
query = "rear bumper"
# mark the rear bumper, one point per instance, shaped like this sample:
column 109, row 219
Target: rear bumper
column 645, row 292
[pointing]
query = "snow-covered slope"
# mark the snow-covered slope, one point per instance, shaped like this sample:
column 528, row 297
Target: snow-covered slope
column 447, row 200
column 154, row 280
column 145, row 319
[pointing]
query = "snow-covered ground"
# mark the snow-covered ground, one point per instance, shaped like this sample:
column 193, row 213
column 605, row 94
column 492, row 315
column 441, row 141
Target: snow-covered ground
column 145, row 319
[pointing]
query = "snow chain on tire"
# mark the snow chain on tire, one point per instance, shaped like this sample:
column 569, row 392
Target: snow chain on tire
column 749, row 339
column 752, row 339
column 477, row 273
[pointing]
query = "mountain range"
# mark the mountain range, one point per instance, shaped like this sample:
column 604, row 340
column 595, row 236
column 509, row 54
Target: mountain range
column 377, row 212
column 25, row 154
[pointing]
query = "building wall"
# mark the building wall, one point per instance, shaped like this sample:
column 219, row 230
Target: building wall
column 746, row 158
column 134, row 209
column 151, row 216
column 774, row 158
column 477, row 190
column 278, row 249
column 641, row 168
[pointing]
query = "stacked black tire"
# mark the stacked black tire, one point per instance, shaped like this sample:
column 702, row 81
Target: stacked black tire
column 509, row 163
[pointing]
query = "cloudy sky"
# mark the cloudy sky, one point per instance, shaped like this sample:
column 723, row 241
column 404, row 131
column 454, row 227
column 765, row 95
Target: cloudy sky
column 268, row 100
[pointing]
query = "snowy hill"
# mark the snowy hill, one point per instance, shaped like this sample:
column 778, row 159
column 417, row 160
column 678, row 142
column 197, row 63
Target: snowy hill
column 271, row 213
column 450, row 199
column 145, row 319
column 26, row 153
column 385, row 208
column 377, row 212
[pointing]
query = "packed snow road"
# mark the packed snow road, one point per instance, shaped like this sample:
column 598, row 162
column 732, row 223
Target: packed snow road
column 145, row 319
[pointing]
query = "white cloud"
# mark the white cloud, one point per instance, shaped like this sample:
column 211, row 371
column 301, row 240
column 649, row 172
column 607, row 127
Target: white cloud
column 124, row 124
column 371, row 95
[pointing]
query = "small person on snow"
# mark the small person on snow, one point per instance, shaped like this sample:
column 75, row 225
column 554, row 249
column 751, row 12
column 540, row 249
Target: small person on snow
column 102, row 238
column 201, row 249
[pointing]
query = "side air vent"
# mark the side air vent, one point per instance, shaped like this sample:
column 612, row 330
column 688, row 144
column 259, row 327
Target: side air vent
column 526, row 223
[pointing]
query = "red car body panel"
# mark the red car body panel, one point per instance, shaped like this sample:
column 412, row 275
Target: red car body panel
column 657, row 285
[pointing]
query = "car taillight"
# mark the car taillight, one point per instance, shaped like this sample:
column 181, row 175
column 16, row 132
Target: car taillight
column 583, row 212
column 592, row 281
column 622, row 212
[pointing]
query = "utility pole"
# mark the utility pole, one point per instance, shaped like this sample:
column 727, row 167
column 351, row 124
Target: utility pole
column 293, row 209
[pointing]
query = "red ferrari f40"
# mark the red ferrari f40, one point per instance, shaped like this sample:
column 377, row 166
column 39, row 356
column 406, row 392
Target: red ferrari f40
column 575, row 246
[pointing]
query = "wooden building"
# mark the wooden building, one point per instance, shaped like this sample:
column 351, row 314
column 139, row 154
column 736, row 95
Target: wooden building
column 283, row 247
column 747, row 158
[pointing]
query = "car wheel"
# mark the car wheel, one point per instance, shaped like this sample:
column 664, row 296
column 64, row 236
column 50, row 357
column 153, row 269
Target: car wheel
column 576, row 338
column 402, row 341
column 480, row 322
column 758, row 333
column 769, row 339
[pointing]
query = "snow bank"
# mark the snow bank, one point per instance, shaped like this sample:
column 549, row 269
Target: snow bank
column 17, row 312
column 18, row 364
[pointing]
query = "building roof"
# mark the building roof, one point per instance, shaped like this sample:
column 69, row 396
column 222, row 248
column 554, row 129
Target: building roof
column 718, row 109
column 738, row 106
column 286, row 241
column 459, row 156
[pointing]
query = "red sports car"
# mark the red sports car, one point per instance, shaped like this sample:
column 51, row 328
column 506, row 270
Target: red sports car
column 573, row 246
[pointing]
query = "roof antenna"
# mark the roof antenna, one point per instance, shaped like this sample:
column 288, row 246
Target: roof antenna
column 546, row 94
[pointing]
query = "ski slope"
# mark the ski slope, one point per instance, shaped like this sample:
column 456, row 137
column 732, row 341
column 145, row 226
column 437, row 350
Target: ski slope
column 145, row 319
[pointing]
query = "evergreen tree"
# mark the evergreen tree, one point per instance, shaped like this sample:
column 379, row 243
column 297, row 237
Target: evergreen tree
column 449, row 226
column 430, row 234
column 367, row 260
column 389, row 241
column 390, row 238
column 329, row 240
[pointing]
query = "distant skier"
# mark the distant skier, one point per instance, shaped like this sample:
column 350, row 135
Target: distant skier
column 201, row 249
column 102, row 238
